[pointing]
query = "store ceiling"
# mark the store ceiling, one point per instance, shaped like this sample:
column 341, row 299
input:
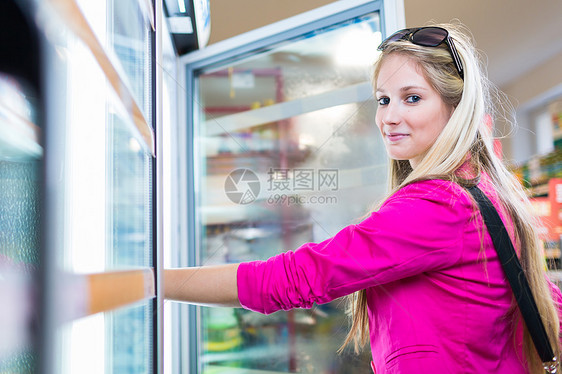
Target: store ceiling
column 515, row 35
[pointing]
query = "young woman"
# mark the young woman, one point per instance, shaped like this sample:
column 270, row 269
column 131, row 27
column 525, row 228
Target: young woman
column 425, row 282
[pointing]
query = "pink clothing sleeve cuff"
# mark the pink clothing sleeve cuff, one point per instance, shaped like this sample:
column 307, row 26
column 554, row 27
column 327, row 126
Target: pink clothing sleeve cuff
column 248, row 293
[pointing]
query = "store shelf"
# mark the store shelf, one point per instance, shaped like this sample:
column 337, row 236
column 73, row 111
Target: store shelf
column 231, row 370
column 347, row 178
column 223, row 214
column 254, row 353
column 112, row 290
column 538, row 190
column 87, row 294
column 553, row 253
column 235, row 122
column 219, row 209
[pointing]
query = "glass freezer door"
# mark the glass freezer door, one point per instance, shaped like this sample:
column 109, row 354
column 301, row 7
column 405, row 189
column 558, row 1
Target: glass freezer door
column 284, row 151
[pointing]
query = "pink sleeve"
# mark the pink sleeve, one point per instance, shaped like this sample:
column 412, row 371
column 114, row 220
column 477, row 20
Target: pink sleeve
column 420, row 228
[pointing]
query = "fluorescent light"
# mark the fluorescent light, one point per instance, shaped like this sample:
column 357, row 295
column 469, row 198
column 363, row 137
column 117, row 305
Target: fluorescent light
column 350, row 49
column 180, row 25
column 181, row 4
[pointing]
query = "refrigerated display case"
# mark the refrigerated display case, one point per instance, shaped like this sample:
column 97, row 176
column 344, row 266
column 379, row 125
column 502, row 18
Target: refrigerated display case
column 100, row 312
column 21, row 154
column 282, row 149
column 20, row 181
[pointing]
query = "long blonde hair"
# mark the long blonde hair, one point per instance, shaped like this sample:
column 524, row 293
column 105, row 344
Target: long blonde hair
column 467, row 133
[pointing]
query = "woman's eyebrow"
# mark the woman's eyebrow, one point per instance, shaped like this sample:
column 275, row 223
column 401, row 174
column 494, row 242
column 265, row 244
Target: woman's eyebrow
column 405, row 88
column 408, row 88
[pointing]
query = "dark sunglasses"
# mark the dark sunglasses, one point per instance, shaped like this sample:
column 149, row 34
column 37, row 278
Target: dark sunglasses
column 426, row 37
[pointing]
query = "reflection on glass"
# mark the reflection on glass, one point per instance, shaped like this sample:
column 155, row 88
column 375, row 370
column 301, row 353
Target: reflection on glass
column 117, row 342
column 129, row 33
column 19, row 133
column 129, row 198
column 131, row 331
column 289, row 154
column 106, row 181
column 129, row 190
column 122, row 29
column 19, row 226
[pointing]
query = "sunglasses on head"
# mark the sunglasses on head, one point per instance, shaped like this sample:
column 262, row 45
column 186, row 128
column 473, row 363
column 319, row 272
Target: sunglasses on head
column 426, row 37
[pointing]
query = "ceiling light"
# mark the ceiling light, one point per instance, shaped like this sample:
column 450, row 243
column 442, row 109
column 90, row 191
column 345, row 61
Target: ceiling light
column 181, row 4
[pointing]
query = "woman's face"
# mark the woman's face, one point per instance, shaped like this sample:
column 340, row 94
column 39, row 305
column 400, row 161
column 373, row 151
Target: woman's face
column 410, row 114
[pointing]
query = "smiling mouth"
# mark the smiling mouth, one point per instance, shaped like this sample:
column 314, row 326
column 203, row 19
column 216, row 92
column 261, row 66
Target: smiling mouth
column 396, row 137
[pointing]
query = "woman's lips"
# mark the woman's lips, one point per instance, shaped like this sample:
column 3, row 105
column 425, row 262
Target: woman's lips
column 394, row 137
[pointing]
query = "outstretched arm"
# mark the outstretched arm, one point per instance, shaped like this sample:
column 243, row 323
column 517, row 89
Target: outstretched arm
column 208, row 285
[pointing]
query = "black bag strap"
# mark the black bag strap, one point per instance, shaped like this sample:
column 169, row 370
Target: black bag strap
column 515, row 276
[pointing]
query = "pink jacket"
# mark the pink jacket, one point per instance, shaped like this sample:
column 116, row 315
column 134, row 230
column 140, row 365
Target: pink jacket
column 437, row 303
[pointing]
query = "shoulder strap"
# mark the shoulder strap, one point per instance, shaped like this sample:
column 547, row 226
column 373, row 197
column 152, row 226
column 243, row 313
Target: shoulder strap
column 515, row 276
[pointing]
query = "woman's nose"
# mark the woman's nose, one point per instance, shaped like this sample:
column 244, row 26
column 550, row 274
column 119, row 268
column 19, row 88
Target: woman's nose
column 391, row 114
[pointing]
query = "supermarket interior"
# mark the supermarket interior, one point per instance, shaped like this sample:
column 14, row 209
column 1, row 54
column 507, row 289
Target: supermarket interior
column 149, row 134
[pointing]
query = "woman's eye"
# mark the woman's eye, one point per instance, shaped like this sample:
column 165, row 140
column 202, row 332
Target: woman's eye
column 413, row 99
column 383, row 100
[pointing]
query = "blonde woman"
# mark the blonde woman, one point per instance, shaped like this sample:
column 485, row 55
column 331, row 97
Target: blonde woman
column 427, row 288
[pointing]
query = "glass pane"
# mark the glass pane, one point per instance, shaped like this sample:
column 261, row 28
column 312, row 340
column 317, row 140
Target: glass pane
column 107, row 176
column 125, row 34
column 129, row 198
column 106, row 195
column 87, row 345
column 19, row 227
column 129, row 33
column 288, row 153
column 131, row 349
